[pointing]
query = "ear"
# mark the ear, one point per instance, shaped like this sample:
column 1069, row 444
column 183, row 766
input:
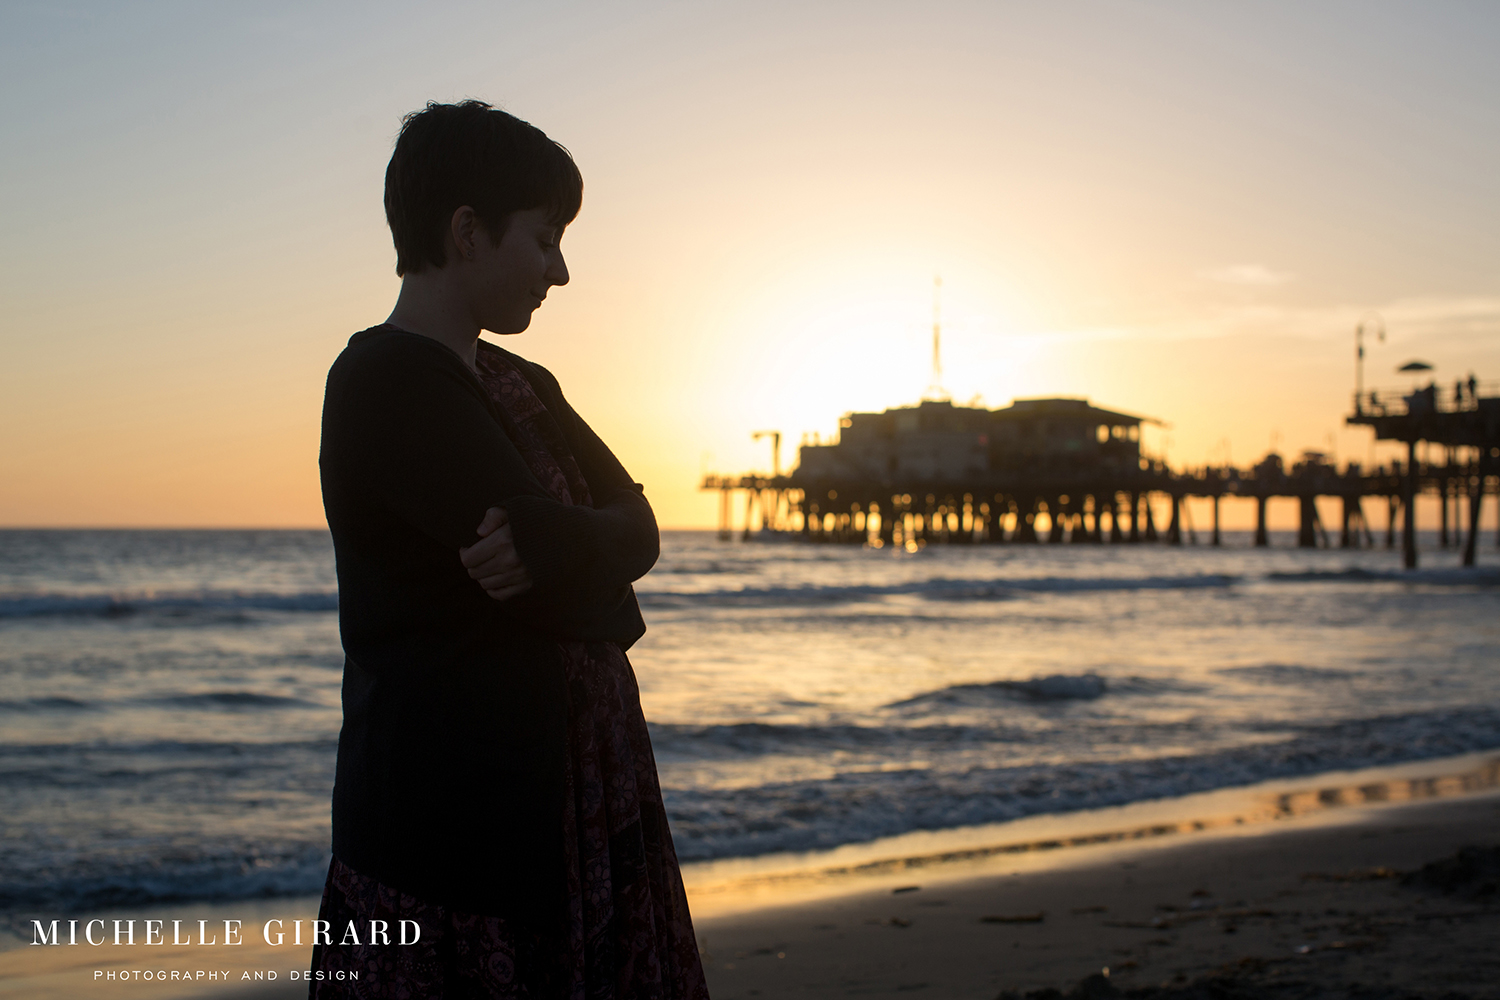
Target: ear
column 463, row 231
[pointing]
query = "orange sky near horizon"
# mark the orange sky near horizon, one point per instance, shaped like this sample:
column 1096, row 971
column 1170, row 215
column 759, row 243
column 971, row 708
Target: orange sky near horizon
column 1172, row 209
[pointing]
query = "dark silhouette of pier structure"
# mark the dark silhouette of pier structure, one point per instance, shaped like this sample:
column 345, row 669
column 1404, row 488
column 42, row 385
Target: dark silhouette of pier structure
column 1063, row 470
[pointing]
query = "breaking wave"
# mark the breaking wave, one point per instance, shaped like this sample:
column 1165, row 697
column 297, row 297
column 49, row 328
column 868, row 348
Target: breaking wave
column 1287, row 673
column 103, row 605
column 943, row 589
column 862, row 805
column 1054, row 687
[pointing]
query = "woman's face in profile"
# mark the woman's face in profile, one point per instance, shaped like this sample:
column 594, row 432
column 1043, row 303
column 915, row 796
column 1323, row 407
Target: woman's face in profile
column 510, row 279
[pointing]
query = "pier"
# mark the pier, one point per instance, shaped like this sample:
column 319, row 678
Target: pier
column 1063, row 470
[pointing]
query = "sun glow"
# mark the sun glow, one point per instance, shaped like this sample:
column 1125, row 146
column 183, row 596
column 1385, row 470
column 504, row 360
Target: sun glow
column 854, row 332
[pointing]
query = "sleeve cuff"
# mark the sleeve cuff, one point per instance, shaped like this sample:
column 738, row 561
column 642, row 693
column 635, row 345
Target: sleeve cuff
column 552, row 539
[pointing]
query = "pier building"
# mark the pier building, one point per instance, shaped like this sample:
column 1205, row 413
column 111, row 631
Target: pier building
column 936, row 441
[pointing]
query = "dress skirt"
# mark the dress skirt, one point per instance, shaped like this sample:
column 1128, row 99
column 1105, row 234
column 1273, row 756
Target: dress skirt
column 627, row 933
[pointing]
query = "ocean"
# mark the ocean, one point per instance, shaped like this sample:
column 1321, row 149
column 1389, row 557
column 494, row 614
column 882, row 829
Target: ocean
column 170, row 704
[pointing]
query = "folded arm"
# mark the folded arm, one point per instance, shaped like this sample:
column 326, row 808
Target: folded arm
column 408, row 420
column 617, row 539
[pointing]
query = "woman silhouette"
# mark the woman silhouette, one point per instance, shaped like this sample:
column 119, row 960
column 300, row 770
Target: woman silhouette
column 495, row 782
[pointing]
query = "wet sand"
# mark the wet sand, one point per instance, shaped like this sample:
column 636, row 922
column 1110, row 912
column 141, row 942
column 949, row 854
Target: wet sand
column 1308, row 905
column 1304, row 908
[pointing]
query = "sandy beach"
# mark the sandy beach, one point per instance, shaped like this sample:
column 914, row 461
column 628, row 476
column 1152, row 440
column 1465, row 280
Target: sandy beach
column 1329, row 899
column 1312, row 907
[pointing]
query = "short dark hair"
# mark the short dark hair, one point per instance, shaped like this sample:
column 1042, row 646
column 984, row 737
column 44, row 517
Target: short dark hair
column 450, row 155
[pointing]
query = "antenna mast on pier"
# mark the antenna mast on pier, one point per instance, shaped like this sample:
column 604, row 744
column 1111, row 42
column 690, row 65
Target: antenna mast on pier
column 1378, row 328
column 935, row 390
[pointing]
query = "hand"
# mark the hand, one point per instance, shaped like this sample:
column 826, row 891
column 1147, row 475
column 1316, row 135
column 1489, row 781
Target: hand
column 493, row 560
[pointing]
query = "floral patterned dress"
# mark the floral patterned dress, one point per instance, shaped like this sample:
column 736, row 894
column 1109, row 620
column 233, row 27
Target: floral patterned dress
column 627, row 934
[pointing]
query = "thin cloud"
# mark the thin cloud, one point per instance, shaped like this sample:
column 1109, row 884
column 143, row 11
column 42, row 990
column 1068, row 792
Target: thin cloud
column 1246, row 274
column 1471, row 319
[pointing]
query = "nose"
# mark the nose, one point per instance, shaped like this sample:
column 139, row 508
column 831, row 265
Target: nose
column 557, row 269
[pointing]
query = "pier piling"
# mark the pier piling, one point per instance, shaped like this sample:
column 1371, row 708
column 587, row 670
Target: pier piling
column 1408, row 502
column 1307, row 514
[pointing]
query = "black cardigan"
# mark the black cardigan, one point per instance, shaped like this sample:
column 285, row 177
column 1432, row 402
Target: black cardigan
column 450, row 762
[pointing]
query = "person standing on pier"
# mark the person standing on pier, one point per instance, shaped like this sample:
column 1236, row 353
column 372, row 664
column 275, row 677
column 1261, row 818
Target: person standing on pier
column 495, row 780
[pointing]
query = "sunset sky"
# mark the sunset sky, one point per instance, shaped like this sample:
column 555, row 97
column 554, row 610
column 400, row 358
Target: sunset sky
column 1180, row 210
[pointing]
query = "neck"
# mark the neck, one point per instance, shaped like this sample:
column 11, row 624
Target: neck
column 430, row 305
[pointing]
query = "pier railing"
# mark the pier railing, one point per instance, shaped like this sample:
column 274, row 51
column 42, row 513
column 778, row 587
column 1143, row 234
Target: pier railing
column 1401, row 401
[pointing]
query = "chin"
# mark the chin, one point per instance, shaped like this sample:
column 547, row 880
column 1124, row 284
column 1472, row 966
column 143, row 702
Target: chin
column 506, row 329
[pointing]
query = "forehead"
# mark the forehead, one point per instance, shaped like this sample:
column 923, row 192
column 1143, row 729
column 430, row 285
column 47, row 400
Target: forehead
column 535, row 219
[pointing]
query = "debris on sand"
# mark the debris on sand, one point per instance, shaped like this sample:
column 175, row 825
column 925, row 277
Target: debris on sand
column 1244, row 980
column 1018, row 918
column 1473, row 872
